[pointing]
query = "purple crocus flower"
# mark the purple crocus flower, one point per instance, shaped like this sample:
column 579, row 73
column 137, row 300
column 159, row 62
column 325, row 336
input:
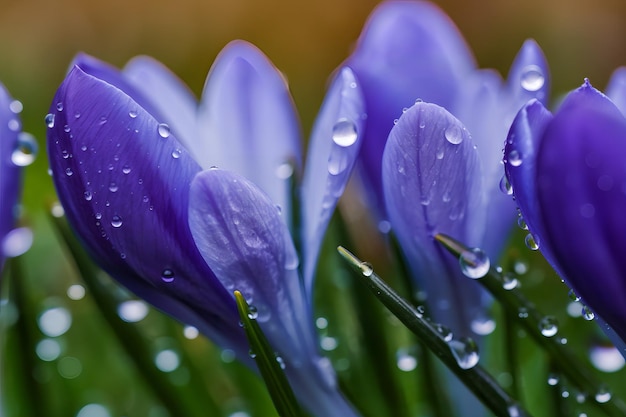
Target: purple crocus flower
column 568, row 173
column 13, row 156
column 134, row 160
column 441, row 167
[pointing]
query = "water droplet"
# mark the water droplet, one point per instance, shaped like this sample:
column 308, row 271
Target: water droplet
column 588, row 314
column 77, row 115
column 60, row 106
column 167, row 275
column 176, row 153
column 113, row 187
column 66, row 128
column 531, row 242
column 26, row 150
column 505, row 185
column 49, row 119
column 553, row 379
column 453, row 134
column 16, row 106
column 283, row 171
column 14, row 125
column 515, row 410
column 422, row 124
column 132, row 311
column 126, row 169
column 532, row 78
column 253, row 313
column 366, row 269
column 509, row 281
column 167, row 360
column 483, row 326
column 281, row 362
column 116, row 221
column 344, row 133
column 514, row 158
column 521, row 223
column 522, row 313
column 164, row 130
column 405, row 361
column 465, row 351
column 572, row 295
column 132, row 114
column 548, row 326
column 603, row 395
column 474, row 263
column 439, row 154
column 252, row 354
column 444, row 332
column 328, row 343
column 69, row 172
column 55, row 321
column 88, row 195
column 606, row 358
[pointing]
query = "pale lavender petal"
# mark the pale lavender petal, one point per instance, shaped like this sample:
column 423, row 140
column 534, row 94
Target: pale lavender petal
column 333, row 149
column 171, row 98
column 407, row 51
column 247, row 122
column 616, row 89
column 124, row 185
column 433, row 184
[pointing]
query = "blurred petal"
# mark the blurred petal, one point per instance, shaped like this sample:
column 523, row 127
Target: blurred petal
column 167, row 94
column 529, row 76
column 433, row 184
column 10, row 182
column 125, row 187
column 581, row 179
column 333, row 149
column 407, row 51
column 520, row 153
column 247, row 121
column 617, row 89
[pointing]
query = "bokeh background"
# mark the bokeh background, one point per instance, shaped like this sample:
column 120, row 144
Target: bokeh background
column 306, row 41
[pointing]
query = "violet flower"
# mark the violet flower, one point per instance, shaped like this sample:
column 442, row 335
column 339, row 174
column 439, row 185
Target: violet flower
column 441, row 168
column 568, row 173
column 15, row 152
column 134, row 162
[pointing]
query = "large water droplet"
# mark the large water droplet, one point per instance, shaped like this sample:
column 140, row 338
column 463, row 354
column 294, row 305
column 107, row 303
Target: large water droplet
column 505, row 185
column 514, row 158
column 531, row 242
column 16, row 106
column 606, row 358
column 603, row 395
column 164, row 130
column 344, row 133
column 465, row 351
column 49, row 119
column 548, row 326
column 532, row 78
column 88, row 195
column 116, row 221
column 26, row 150
column 453, row 134
column 474, row 263
column 587, row 313
column 132, row 311
column 55, row 321
column 17, row 242
column 167, row 275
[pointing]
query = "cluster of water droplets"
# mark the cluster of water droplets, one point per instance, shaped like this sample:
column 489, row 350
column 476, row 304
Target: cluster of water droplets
column 25, row 150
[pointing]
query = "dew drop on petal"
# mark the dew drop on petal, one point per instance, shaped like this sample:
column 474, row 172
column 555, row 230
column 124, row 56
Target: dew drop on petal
column 49, row 119
column 344, row 133
column 588, row 314
column 113, row 187
column 132, row 114
column 514, row 158
column 116, row 221
column 474, row 263
column 505, row 185
column 60, row 106
column 453, row 134
column 531, row 242
column 88, row 195
column 465, row 352
column 25, row 151
column 126, row 169
column 532, row 78
column 164, row 130
column 176, row 153
column 167, row 275
column 548, row 326
column 69, row 172
column 16, row 106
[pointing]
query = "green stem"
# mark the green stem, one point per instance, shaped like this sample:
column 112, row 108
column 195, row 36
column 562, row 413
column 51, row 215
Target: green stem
column 511, row 351
column 474, row 377
column 533, row 322
column 269, row 367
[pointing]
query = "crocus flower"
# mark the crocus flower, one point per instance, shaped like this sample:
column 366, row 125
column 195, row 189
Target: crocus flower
column 135, row 163
column 12, row 159
column 441, row 168
column 568, row 176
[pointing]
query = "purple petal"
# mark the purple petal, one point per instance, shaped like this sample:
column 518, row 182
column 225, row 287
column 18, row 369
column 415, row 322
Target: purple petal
column 581, row 179
column 10, row 181
column 529, row 76
column 247, row 121
column 520, row 154
column 124, row 184
column 616, row 89
column 433, row 184
column 170, row 98
column 407, row 51
column 333, row 149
